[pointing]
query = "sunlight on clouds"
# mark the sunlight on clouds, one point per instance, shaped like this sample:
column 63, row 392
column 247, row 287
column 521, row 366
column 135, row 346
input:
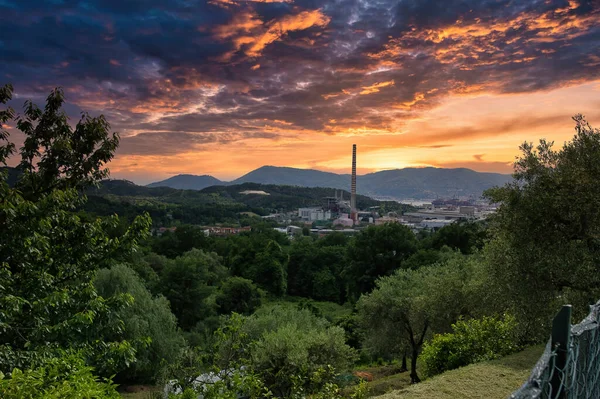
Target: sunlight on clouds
column 251, row 35
column 490, row 126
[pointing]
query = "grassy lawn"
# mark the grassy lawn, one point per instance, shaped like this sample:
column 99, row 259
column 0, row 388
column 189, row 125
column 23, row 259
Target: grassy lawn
column 486, row 380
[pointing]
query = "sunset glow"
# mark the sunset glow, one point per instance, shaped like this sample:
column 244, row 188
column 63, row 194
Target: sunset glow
column 222, row 87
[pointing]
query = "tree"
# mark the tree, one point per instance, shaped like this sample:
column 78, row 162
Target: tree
column 464, row 236
column 314, row 268
column 545, row 248
column 65, row 376
column 293, row 344
column 48, row 254
column 183, row 239
column 268, row 270
column 375, row 252
column 148, row 323
column 56, row 157
column 188, row 281
column 407, row 306
column 238, row 295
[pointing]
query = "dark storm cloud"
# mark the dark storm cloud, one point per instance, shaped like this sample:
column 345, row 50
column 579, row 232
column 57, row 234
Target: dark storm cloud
column 187, row 73
column 172, row 143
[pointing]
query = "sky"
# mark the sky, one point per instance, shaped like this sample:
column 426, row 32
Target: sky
column 222, row 87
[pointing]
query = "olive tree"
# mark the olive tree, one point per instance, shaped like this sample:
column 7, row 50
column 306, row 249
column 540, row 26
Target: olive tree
column 545, row 248
column 406, row 307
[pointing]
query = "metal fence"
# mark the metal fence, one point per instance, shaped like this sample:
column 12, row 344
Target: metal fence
column 569, row 368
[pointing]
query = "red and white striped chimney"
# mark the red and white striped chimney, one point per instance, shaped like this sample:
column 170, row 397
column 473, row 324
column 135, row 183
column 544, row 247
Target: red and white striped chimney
column 353, row 210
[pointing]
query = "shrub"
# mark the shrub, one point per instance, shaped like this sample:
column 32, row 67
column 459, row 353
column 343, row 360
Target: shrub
column 148, row 323
column 291, row 345
column 471, row 341
column 61, row 377
column 238, row 295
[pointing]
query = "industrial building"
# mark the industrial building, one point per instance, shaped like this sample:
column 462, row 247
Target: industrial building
column 314, row 214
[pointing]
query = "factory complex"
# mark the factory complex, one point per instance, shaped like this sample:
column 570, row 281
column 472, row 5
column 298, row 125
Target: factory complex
column 339, row 214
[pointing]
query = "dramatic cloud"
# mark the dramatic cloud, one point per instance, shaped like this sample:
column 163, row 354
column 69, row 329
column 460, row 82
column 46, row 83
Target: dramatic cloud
column 291, row 81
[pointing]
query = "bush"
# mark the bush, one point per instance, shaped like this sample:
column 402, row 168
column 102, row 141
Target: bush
column 57, row 378
column 291, row 345
column 147, row 319
column 238, row 295
column 471, row 341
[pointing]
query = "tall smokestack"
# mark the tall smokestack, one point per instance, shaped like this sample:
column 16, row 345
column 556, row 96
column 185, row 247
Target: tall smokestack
column 353, row 185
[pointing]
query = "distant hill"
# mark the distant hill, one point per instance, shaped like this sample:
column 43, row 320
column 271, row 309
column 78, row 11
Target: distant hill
column 188, row 182
column 429, row 183
column 295, row 177
column 417, row 183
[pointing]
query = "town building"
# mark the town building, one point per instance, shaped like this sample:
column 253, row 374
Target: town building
column 224, row 231
column 314, row 214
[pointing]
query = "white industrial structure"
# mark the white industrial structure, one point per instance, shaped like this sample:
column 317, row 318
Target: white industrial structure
column 314, row 214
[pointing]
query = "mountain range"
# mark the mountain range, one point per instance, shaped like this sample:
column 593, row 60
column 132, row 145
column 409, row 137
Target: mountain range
column 416, row 183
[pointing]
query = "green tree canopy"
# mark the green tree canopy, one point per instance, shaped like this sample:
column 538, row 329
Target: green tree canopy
column 407, row 306
column 292, row 343
column 375, row 252
column 238, row 295
column 48, row 254
column 546, row 232
column 188, row 281
column 148, row 318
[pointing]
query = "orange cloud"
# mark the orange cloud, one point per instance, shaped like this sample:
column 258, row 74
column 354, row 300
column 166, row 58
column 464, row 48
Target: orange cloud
column 409, row 104
column 374, row 88
column 251, row 35
column 477, row 43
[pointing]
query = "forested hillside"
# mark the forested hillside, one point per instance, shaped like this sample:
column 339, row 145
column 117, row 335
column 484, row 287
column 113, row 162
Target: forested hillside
column 216, row 204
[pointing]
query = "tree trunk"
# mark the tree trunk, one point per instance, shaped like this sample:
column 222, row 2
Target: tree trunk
column 414, row 377
column 403, row 368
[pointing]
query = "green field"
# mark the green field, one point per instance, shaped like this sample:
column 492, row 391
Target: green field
column 489, row 380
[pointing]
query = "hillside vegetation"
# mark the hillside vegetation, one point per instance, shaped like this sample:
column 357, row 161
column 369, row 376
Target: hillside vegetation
column 495, row 379
column 216, row 204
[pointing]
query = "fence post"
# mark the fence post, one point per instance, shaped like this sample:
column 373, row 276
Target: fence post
column 561, row 335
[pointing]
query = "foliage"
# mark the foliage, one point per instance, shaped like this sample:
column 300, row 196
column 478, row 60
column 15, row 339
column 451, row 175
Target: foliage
column 426, row 257
column 222, row 372
column 49, row 254
column 61, row 377
column 188, row 281
column 147, row 319
column 545, row 248
column 233, row 367
column 314, row 268
column 212, row 205
column 469, row 342
column 183, row 239
column 238, row 295
column 407, row 306
column 56, row 157
column 375, row 252
column 259, row 257
column 292, row 343
column 463, row 236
